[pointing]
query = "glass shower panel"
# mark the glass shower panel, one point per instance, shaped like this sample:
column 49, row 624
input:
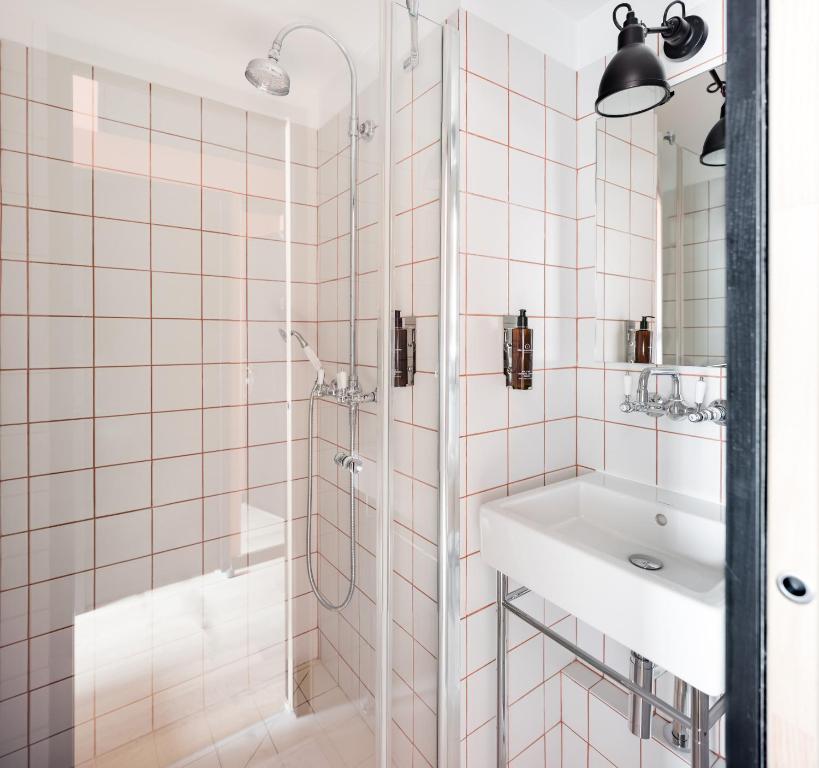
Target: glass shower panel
column 415, row 114
column 158, row 247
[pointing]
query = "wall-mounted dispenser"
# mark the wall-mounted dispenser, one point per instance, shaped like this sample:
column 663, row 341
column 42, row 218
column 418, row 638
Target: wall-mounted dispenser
column 403, row 350
column 518, row 351
column 644, row 341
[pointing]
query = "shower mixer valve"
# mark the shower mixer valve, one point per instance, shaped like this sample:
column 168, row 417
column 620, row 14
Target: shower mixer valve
column 344, row 392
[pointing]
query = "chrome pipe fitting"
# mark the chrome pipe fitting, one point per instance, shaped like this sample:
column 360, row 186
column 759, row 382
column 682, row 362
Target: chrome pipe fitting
column 675, row 733
column 639, row 710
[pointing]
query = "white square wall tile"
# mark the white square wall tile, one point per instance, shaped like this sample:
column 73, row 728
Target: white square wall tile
column 527, row 126
column 561, row 87
column 123, row 537
column 526, row 184
column 121, row 195
column 689, row 465
column 59, row 446
column 176, row 112
column 560, row 444
column 487, row 168
column 61, row 550
column 526, row 70
column 58, row 186
column 62, row 393
column 560, row 393
column 526, row 288
column 561, row 189
column 60, row 82
column 609, row 734
column 588, row 80
column 486, row 226
column 13, row 68
column 223, row 124
column 526, row 234
column 590, row 443
column 561, row 138
column 487, row 285
column 122, row 147
column 486, row 50
column 526, row 452
column 122, row 98
column 631, row 452
column 175, row 158
column 486, row 461
column 13, row 451
column 487, row 105
column 55, row 133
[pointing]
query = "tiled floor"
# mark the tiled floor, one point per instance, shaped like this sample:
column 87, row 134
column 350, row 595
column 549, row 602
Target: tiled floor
column 326, row 730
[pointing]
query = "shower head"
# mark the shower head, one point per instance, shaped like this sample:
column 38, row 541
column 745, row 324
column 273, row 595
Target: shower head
column 307, row 349
column 268, row 76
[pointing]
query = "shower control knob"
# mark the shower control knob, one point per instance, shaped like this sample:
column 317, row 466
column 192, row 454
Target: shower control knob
column 353, row 464
column 716, row 411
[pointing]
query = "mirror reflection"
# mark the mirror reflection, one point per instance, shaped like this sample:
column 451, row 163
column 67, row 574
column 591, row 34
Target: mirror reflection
column 661, row 294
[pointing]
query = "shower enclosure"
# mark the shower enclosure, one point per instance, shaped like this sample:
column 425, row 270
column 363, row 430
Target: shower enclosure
column 225, row 538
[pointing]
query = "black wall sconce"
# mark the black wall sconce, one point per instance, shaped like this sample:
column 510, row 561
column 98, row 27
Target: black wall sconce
column 713, row 149
column 634, row 80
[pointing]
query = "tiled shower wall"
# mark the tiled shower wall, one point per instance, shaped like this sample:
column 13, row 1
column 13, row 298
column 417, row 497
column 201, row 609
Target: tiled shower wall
column 520, row 205
column 144, row 452
column 548, row 229
column 347, row 640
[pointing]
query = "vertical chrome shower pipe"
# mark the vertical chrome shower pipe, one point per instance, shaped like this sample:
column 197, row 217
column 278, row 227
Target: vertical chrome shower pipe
column 352, row 404
column 275, row 51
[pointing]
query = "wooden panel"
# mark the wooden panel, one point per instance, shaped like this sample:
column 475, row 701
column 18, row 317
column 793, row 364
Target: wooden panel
column 793, row 501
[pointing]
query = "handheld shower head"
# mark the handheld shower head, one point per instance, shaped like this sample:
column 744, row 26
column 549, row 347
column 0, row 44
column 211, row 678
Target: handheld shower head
column 268, row 76
column 307, row 349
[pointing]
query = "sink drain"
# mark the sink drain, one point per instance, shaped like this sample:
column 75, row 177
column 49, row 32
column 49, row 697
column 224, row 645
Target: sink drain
column 646, row 562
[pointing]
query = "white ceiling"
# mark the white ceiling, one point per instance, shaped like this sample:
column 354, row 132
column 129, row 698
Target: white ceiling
column 579, row 9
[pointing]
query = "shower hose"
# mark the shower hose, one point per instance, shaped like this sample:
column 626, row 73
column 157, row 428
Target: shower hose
column 328, row 604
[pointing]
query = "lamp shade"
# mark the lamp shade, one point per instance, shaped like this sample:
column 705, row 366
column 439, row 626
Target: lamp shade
column 634, row 80
column 713, row 149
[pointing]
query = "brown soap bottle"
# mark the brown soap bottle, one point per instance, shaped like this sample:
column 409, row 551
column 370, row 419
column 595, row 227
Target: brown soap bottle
column 522, row 353
column 399, row 350
column 643, row 341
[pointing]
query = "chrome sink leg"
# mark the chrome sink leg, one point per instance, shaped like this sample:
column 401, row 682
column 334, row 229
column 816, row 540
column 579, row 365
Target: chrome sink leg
column 639, row 710
column 700, row 753
column 502, row 730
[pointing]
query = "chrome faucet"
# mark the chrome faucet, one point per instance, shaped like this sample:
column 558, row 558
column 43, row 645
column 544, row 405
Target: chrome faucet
column 655, row 405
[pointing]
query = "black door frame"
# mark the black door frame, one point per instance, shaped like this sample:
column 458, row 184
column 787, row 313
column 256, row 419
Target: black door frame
column 747, row 319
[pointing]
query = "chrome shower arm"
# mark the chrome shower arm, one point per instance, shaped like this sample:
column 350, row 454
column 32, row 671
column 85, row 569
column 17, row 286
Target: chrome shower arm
column 276, row 48
column 354, row 131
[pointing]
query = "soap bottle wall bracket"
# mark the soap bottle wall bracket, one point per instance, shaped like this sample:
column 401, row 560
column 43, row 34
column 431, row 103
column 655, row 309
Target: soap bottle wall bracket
column 510, row 322
column 408, row 323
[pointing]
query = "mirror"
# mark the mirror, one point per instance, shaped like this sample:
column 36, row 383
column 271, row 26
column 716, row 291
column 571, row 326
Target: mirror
column 661, row 232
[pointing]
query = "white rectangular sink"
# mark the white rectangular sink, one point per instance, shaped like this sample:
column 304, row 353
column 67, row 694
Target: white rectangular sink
column 571, row 543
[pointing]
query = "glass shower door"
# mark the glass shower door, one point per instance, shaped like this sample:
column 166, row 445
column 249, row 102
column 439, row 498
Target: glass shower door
column 158, row 247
